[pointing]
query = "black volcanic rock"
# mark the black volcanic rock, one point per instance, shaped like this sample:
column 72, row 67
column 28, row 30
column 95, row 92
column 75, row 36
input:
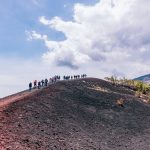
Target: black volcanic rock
column 78, row 114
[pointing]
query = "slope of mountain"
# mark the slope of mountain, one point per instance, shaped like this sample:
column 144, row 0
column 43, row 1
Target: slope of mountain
column 145, row 78
column 78, row 114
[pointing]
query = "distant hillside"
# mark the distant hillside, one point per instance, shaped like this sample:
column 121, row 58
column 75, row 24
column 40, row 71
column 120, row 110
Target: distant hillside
column 79, row 115
column 145, row 78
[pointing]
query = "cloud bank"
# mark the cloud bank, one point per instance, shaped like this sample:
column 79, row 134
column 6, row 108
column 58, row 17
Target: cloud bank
column 114, row 35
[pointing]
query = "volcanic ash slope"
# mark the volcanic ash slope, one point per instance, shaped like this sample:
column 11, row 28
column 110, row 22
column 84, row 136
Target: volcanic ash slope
column 78, row 114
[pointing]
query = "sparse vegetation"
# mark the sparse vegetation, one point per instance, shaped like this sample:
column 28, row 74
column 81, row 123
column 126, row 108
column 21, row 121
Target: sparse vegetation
column 139, row 87
column 120, row 102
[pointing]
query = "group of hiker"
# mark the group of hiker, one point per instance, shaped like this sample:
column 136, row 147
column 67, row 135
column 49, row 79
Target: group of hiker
column 74, row 77
column 38, row 84
column 54, row 79
column 44, row 83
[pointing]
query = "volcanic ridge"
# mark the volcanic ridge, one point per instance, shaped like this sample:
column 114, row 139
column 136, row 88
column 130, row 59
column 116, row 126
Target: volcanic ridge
column 75, row 115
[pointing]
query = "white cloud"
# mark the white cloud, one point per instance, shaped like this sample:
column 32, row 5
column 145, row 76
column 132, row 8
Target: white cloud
column 113, row 34
column 34, row 35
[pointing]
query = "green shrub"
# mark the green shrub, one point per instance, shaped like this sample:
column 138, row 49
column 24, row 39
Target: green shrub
column 138, row 86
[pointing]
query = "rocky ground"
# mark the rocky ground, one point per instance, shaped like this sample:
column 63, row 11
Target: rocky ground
column 75, row 115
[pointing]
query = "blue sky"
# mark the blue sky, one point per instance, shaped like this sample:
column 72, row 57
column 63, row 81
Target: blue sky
column 41, row 38
column 18, row 16
column 16, row 52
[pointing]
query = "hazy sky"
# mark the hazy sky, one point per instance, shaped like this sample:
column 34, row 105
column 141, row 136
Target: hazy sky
column 41, row 38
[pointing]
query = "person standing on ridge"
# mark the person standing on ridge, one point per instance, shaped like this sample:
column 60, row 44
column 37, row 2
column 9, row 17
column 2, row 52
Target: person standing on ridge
column 64, row 77
column 35, row 84
column 30, row 86
column 46, row 81
column 39, row 85
column 42, row 82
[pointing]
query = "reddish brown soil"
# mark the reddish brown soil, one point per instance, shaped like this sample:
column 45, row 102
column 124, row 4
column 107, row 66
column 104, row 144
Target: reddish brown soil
column 75, row 115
